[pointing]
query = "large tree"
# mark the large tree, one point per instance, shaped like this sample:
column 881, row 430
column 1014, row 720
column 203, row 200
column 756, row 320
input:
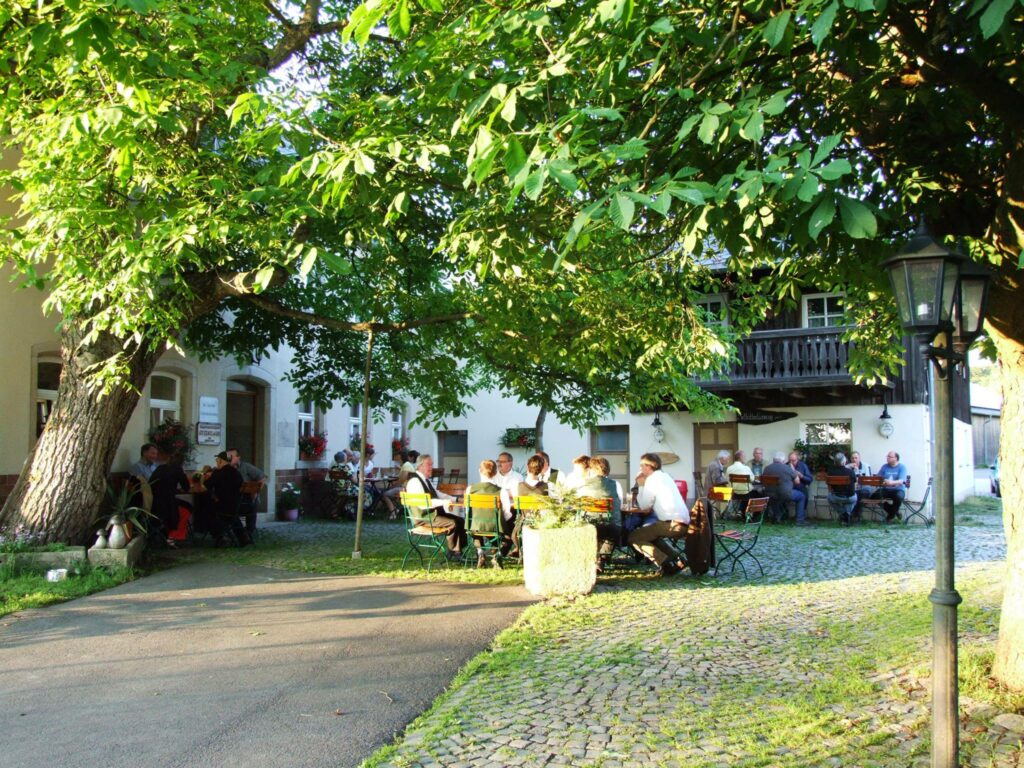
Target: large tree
column 206, row 175
column 804, row 137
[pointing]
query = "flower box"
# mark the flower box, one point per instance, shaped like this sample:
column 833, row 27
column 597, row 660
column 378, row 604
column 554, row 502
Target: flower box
column 65, row 558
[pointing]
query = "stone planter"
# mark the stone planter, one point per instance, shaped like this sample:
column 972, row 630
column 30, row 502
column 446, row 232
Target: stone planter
column 126, row 557
column 560, row 561
column 45, row 560
column 288, row 515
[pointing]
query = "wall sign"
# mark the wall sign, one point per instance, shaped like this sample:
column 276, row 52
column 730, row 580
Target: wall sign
column 208, row 433
column 756, row 418
column 209, row 409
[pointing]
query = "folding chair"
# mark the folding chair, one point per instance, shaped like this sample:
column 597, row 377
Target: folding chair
column 525, row 506
column 422, row 533
column 437, row 475
column 871, row 506
column 453, row 476
column 917, row 508
column 698, row 484
column 838, row 486
column 779, row 508
column 739, row 542
column 483, row 523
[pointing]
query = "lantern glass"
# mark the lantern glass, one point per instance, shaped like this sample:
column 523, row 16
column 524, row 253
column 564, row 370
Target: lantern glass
column 924, row 277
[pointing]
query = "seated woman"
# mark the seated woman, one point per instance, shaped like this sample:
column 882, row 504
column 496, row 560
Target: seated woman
column 598, row 485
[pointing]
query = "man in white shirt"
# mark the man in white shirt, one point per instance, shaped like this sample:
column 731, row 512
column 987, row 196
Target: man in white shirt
column 740, row 490
column 419, row 482
column 659, row 494
column 508, row 480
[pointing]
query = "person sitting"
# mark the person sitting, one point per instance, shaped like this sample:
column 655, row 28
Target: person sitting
column 599, row 486
column 147, row 463
column 166, row 482
column 740, row 490
column 894, row 485
column 250, row 474
column 786, row 490
column 658, row 494
column 860, row 469
column 757, row 463
column 843, row 497
column 486, row 487
column 508, row 480
column 575, row 478
column 547, row 474
column 419, row 482
column 532, row 485
column 224, row 486
column 406, row 469
column 796, row 461
column 715, row 474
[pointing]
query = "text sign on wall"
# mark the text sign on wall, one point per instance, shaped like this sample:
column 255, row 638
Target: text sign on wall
column 209, row 409
column 764, row 417
column 208, row 433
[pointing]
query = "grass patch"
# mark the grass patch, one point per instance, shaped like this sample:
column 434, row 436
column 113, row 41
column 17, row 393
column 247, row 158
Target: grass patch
column 29, row 589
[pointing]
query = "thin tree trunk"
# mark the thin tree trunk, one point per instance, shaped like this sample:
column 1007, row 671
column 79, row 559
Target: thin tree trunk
column 539, row 427
column 357, row 545
column 64, row 480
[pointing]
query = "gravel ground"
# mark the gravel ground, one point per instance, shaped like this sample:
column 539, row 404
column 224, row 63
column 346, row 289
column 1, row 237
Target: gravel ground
column 702, row 672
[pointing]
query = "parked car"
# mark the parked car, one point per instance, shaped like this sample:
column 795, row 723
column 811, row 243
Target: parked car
column 994, row 480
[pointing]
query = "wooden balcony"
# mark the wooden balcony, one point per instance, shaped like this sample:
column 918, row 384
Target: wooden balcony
column 796, row 357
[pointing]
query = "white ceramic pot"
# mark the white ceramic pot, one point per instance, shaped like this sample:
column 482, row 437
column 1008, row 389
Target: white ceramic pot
column 101, row 541
column 118, row 538
column 560, row 561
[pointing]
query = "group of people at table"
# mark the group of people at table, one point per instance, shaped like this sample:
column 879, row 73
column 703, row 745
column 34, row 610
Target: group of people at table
column 789, row 480
column 213, row 495
column 654, row 511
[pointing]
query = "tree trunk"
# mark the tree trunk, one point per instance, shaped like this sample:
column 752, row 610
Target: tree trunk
column 539, row 428
column 64, row 480
column 1007, row 311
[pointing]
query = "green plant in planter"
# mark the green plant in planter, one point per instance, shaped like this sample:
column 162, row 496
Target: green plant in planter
column 289, row 497
column 519, row 437
column 562, row 508
column 120, row 510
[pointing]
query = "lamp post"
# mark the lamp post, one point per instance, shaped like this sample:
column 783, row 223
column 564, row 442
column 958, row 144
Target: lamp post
column 941, row 296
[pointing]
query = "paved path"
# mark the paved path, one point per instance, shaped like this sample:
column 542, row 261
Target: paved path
column 221, row 665
column 681, row 672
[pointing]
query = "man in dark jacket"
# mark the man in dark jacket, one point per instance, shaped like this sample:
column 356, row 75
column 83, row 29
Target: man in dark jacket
column 787, row 490
column 843, row 496
column 224, row 486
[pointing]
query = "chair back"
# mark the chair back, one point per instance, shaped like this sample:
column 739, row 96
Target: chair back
column 870, row 481
column 251, row 487
column 756, row 509
column 596, row 507
column 416, row 507
column 720, row 493
column 841, row 485
column 770, row 481
column 528, row 504
column 453, row 476
column 741, row 483
column 437, row 473
column 483, row 513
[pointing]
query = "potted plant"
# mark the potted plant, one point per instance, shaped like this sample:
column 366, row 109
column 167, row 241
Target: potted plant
column 312, row 447
column 559, row 547
column 288, row 502
column 173, row 438
column 519, row 437
column 122, row 518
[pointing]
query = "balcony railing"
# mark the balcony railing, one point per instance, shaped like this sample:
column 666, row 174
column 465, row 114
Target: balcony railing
column 795, row 356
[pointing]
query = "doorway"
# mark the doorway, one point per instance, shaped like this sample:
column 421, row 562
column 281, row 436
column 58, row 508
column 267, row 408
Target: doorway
column 613, row 444
column 453, row 453
column 710, row 438
column 245, row 416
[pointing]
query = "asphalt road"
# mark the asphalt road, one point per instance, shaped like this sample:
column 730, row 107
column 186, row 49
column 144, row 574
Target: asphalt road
column 221, row 665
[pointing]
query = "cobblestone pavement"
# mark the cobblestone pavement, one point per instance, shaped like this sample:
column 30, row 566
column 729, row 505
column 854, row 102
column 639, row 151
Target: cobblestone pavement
column 789, row 670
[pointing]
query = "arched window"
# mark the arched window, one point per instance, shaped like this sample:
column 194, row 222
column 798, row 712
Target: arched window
column 47, row 382
column 164, row 398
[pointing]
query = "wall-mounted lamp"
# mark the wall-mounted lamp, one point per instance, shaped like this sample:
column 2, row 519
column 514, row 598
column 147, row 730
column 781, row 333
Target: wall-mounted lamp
column 885, row 426
column 659, row 433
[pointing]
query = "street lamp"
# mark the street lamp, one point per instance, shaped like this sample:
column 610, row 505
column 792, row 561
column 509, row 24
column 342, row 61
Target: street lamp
column 941, row 298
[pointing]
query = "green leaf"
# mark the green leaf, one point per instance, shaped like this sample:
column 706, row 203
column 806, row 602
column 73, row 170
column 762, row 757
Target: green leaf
column 992, row 19
column 822, row 216
column 508, row 110
column 401, row 202
column 662, row 26
column 836, row 169
column 515, row 158
column 775, row 29
column 535, row 183
column 776, row 105
column 621, row 210
column 753, row 129
column 263, row 277
column 399, row 21
column 307, row 262
column 858, row 220
column 364, row 164
column 823, row 24
column 561, row 171
column 437, row 6
column 825, row 148
column 708, row 128
column 808, row 188
column 335, row 263
column 606, row 112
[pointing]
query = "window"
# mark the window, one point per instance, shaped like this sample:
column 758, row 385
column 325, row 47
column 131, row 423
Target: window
column 823, row 310
column 355, row 420
column 828, row 432
column 307, row 419
column 47, row 384
column 397, row 424
column 164, row 398
column 716, row 308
